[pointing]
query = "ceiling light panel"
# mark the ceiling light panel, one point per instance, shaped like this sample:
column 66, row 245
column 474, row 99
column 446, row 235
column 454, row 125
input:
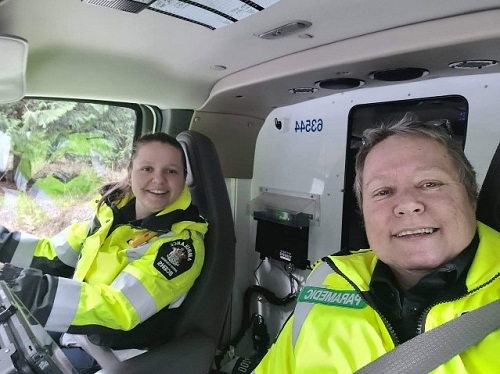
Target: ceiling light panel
column 213, row 14
column 131, row 6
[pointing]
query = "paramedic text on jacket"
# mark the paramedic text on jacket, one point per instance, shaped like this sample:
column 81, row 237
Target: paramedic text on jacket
column 430, row 261
column 103, row 277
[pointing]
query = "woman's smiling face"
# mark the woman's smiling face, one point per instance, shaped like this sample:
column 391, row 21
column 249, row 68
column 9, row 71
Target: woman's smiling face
column 156, row 177
column 417, row 214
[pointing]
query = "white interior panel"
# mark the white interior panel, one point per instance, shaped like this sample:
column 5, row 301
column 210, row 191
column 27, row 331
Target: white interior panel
column 313, row 162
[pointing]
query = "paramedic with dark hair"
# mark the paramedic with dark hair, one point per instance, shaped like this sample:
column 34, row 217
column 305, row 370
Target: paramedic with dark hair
column 429, row 261
column 115, row 280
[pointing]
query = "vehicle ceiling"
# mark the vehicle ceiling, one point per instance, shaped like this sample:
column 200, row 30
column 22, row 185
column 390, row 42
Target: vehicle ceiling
column 80, row 50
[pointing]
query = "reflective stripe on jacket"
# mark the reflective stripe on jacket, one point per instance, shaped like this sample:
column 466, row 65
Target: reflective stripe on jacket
column 334, row 330
column 112, row 285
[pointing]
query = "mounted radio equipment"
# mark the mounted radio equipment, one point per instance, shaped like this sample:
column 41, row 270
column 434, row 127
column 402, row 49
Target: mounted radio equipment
column 283, row 221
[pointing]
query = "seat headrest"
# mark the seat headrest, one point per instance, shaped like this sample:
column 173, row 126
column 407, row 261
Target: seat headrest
column 189, row 176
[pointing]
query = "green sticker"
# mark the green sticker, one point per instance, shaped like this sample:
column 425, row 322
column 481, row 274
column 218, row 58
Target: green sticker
column 325, row 296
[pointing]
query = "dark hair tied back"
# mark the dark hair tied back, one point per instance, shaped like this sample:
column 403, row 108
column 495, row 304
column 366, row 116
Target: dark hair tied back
column 118, row 190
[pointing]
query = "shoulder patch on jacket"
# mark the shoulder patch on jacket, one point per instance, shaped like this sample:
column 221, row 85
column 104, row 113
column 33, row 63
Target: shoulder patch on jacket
column 175, row 258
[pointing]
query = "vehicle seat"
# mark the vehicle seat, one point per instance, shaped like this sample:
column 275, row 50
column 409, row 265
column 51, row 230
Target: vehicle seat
column 201, row 325
column 488, row 203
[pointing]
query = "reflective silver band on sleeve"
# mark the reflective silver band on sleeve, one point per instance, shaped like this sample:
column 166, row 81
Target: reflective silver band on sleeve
column 65, row 305
column 136, row 253
column 177, row 302
column 24, row 251
column 65, row 253
column 302, row 309
column 136, row 293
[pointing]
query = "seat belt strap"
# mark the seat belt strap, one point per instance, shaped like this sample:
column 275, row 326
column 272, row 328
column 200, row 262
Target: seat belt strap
column 427, row 351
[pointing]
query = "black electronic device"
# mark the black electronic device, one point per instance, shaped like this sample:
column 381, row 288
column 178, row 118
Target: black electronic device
column 283, row 242
column 283, row 221
column 25, row 346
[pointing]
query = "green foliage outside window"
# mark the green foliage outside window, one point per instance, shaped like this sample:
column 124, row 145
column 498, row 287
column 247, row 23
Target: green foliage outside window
column 61, row 153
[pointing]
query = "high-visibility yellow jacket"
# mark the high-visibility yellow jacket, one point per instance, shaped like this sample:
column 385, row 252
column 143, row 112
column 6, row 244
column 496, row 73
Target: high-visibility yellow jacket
column 334, row 330
column 96, row 278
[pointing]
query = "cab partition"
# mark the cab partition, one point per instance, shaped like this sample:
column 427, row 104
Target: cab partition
column 301, row 206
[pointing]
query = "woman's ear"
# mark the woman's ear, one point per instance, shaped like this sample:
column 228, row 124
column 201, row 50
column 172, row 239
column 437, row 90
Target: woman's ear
column 129, row 176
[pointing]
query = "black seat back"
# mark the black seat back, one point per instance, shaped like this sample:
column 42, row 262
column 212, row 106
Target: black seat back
column 208, row 301
column 488, row 203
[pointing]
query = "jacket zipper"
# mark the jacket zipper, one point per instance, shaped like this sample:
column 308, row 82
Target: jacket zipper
column 389, row 327
column 421, row 320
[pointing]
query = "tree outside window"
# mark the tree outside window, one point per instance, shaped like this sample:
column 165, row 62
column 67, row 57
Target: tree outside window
column 54, row 156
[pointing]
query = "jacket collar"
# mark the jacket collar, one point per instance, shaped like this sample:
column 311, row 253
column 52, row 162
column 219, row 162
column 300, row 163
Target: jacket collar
column 485, row 265
column 360, row 265
column 162, row 221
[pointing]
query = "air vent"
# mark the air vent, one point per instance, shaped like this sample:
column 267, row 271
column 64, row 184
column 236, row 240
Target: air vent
column 302, row 90
column 473, row 64
column 125, row 5
column 340, row 83
column 398, row 75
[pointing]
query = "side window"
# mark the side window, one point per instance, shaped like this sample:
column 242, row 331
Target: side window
column 54, row 156
column 449, row 111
